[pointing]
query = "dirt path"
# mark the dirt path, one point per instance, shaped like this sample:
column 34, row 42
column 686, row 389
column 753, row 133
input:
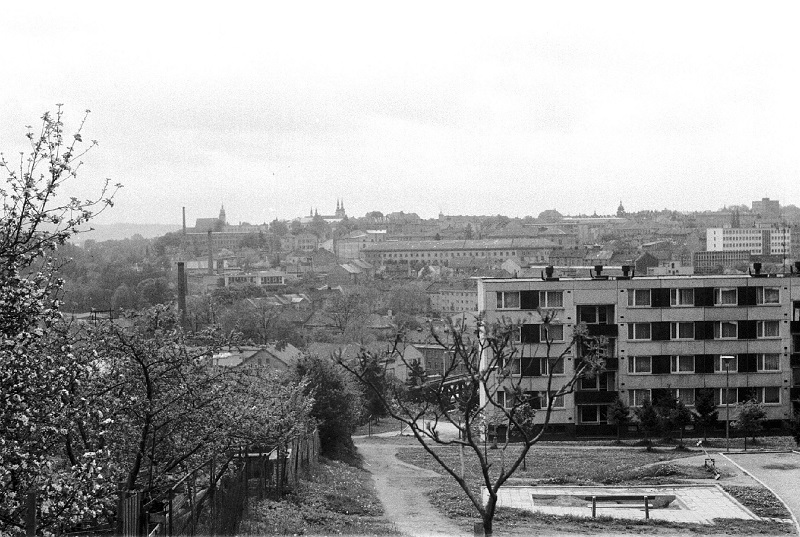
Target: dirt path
column 398, row 487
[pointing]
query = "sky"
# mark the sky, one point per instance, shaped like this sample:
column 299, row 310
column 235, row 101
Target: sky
column 273, row 109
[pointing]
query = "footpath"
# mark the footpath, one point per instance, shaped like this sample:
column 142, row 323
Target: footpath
column 778, row 471
column 398, row 486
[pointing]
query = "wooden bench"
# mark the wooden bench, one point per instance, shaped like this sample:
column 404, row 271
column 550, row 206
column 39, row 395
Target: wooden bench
column 614, row 500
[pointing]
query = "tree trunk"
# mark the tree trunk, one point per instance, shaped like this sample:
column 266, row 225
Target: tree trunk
column 488, row 514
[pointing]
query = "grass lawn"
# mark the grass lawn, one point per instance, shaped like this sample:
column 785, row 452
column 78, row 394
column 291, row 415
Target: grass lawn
column 338, row 500
column 603, row 466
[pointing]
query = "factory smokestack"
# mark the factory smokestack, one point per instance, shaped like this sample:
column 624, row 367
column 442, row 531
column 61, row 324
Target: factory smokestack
column 184, row 220
column 210, row 254
column 182, row 291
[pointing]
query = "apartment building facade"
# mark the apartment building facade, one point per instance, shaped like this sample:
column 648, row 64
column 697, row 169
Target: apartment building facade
column 756, row 240
column 445, row 251
column 667, row 335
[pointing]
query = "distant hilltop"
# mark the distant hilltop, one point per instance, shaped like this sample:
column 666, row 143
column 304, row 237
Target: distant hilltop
column 112, row 232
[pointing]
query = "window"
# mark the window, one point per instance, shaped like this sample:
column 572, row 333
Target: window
column 552, row 332
column 768, row 329
column 769, row 362
column 500, row 398
column 593, row 413
column 596, row 314
column 769, row 395
column 558, row 402
column 686, row 395
column 507, row 300
column 556, row 365
column 589, row 383
column 768, row 295
column 638, row 397
column 639, row 331
column 535, row 367
column 726, row 330
column 681, row 297
column 638, row 297
column 516, row 334
column 551, row 299
column 682, row 330
column 719, row 364
column 683, row 364
column 725, row 296
column 640, row 364
column 719, row 396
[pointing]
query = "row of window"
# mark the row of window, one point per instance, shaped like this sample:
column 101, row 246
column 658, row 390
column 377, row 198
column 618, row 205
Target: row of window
column 660, row 297
column 662, row 331
column 703, row 363
column 536, row 400
column 538, row 333
column 529, row 300
column 704, row 296
column 769, row 395
column 480, row 253
column 534, row 367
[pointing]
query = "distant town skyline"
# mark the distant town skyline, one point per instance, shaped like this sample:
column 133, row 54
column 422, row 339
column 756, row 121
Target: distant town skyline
column 279, row 108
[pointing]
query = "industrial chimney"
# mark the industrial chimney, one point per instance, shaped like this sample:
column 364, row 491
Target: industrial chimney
column 210, row 254
column 182, row 291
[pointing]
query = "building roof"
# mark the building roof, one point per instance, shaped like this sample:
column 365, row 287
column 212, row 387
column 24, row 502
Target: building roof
column 475, row 244
column 283, row 356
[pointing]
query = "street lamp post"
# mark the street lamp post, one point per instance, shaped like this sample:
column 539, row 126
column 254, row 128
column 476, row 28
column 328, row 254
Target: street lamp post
column 727, row 363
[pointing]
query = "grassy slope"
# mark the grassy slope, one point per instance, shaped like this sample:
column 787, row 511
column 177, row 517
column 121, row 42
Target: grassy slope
column 339, row 499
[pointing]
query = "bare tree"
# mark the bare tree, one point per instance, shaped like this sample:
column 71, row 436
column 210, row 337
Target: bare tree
column 481, row 391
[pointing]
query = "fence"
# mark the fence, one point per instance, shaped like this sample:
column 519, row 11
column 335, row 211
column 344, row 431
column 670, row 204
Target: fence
column 210, row 499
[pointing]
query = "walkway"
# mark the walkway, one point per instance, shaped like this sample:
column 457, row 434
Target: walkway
column 398, row 485
column 780, row 472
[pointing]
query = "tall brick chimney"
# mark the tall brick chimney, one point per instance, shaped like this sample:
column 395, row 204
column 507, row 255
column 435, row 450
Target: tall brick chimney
column 210, row 254
column 182, row 291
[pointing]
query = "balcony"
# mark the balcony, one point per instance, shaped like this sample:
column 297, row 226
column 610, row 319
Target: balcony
column 607, row 330
column 595, row 397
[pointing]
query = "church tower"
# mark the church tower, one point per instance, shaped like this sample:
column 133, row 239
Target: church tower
column 620, row 209
column 340, row 209
column 222, row 216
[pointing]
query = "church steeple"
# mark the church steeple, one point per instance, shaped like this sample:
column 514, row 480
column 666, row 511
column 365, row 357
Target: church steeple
column 222, row 216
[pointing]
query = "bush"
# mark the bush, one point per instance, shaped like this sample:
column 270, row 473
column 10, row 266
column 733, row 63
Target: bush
column 337, row 405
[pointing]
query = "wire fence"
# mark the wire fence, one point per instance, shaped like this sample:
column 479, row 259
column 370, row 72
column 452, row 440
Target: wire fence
column 210, row 499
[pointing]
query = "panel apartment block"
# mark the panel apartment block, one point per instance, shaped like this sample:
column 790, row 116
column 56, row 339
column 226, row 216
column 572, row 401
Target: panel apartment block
column 666, row 337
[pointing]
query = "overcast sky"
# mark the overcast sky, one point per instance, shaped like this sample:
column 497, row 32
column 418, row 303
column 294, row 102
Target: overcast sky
column 273, row 109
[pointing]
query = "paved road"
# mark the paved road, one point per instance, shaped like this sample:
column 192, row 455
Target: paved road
column 778, row 471
column 399, row 487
